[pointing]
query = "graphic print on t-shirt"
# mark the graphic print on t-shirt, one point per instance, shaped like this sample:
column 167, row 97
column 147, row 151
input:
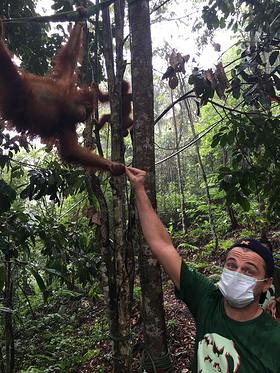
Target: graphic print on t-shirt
column 217, row 354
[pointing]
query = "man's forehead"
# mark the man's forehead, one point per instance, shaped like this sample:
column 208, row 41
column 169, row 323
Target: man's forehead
column 244, row 254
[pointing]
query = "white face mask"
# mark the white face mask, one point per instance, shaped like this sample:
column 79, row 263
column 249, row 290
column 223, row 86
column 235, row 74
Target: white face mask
column 237, row 288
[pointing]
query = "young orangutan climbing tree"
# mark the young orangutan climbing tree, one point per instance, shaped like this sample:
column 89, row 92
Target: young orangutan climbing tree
column 126, row 109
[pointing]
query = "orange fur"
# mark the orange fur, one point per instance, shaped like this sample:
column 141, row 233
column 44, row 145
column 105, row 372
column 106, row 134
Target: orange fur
column 126, row 109
column 51, row 106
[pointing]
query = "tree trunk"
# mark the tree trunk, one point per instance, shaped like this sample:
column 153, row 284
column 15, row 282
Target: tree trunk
column 8, row 320
column 233, row 220
column 230, row 210
column 121, row 331
column 156, row 357
column 179, row 171
column 2, row 366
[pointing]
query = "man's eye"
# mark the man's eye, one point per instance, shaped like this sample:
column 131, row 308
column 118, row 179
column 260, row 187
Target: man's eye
column 249, row 272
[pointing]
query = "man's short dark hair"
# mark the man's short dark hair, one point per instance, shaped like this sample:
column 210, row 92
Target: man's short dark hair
column 260, row 249
column 266, row 243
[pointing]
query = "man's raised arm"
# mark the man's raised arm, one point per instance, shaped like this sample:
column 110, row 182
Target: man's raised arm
column 154, row 231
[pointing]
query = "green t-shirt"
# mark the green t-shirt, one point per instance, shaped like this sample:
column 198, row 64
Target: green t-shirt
column 224, row 345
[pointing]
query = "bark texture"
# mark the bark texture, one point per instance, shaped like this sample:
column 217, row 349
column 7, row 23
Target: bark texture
column 156, row 358
column 120, row 332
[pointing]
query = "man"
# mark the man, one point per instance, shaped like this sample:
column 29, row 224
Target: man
column 234, row 335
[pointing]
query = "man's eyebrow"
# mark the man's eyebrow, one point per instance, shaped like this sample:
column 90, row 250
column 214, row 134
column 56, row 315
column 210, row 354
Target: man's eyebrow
column 246, row 263
column 230, row 258
column 252, row 264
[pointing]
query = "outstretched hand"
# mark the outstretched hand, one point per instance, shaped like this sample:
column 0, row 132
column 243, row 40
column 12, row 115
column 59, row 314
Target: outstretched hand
column 136, row 177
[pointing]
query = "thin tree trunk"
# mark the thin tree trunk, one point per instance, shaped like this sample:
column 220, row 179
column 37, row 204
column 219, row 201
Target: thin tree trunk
column 28, row 301
column 9, row 328
column 179, row 171
column 121, row 336
column 233, row 220
column 2, row 366
column 230, row 210
column 108, row 271
column 156, row 357
column 96, row 73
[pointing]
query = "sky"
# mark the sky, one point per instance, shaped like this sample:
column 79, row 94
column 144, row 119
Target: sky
column 177, row 33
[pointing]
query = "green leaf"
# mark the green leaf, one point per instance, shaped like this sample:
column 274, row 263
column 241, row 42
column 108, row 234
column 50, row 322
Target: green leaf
column 191, row 79
column 224, row 140
column 251, row 26
column 235, row 85
column 243, row 201
column 17, row 172
column 90, row 355
column 7, row 196
column 222, row 22
column 4, row 159
column 54, row 272
column 39, row 280
column 276, row 81
column 225, row 170
column 273, row 57
column 215, row 140
column 231, row 137
column 258, row 59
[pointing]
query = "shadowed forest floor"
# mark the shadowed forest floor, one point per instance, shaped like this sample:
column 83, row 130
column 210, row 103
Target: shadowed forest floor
column 179, row 322
column 180, row 330
column 181, row 336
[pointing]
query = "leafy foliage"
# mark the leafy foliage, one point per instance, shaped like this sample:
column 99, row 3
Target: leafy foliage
column 66, row 339
column 255, row 147
column 250, row 134
column 35, row 49
column 255, row 76
column 54, row 182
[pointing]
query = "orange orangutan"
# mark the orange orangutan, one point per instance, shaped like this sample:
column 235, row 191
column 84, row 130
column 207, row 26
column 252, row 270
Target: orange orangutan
column 51, row 106
column 126, row 109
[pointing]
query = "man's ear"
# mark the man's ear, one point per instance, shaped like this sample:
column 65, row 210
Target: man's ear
column 267, row 284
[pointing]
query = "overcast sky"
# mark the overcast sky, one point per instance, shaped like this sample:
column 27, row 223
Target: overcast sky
column 177, row 33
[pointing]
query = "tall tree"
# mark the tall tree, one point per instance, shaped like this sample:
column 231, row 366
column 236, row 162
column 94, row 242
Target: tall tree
column 156, row 357
column 122, row 266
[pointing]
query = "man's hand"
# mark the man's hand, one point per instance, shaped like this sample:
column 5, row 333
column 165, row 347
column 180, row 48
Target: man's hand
column 136, row 177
